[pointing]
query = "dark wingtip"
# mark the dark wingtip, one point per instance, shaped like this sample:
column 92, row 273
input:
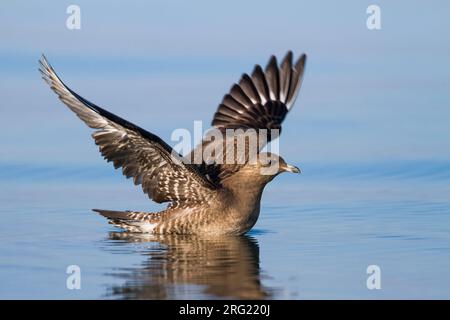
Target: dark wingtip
column 257, row 70
column 272, row 61
column 288, row 57
column 301, row 62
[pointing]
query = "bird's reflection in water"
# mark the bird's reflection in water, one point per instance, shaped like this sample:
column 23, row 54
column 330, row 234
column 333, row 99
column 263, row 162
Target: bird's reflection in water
column 184, row 266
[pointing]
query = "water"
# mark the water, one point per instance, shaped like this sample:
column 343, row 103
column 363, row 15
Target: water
column 317, row 234
column 370, row 130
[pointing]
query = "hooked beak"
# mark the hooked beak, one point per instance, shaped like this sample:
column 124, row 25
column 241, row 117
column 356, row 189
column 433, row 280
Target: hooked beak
column 293, row 169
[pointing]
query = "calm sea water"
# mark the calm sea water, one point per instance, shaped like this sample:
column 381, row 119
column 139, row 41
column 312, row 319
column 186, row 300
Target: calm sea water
column 317, row 234
column 370, row 131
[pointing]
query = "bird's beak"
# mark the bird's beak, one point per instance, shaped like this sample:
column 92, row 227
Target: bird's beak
column 293, row 169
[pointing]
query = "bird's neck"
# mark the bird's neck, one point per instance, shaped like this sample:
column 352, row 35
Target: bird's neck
column 246, row 194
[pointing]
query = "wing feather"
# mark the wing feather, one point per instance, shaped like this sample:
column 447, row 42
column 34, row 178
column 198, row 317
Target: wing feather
column 259, row 101
column 262, row 100
column 143, row 156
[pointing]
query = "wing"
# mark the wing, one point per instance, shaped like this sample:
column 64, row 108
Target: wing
column 262, row 100
column 258, row 101
column 163, row 173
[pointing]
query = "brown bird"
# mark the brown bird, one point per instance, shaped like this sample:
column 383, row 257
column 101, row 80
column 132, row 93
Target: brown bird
column 208, row 196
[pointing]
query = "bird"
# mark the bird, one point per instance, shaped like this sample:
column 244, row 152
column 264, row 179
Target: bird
column 206, row 196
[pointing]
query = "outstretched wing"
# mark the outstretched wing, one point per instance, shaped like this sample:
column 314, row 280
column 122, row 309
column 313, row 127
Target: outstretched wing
column 163, row 173
column 258, row 101
column 262, row 100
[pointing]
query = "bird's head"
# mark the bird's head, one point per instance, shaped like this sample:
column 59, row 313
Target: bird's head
column 267, row 166
column 272, row 164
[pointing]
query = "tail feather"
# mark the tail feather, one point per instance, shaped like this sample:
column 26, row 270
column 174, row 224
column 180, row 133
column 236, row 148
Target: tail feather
column 132, row 221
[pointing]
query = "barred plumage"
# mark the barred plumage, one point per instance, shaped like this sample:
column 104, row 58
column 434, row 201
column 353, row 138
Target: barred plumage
column 205, row 198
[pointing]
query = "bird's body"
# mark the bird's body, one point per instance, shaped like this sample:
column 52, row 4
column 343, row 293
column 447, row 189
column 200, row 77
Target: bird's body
column 208, row 197
column 232, row 209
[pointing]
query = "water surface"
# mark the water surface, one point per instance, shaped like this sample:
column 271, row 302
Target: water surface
column 317, row 234
column 370, row 131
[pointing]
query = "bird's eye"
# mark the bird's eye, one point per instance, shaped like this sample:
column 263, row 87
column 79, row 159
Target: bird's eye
column 267, row 163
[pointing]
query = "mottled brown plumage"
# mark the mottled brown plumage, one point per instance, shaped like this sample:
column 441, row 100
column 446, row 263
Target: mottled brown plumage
column 209, row 197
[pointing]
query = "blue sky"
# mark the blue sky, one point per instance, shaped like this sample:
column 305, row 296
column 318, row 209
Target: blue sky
column 367, row 95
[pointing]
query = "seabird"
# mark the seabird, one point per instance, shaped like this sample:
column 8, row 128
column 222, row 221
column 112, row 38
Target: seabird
column 209, row 197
